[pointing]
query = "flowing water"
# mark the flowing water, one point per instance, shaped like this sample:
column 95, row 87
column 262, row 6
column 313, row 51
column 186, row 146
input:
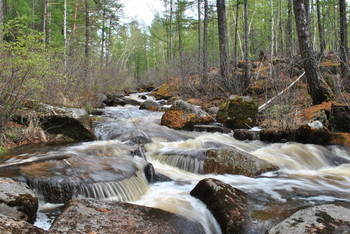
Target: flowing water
column 112, row 168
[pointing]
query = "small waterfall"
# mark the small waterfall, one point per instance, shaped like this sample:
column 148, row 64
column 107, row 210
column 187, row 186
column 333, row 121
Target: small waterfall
column 187, row 160
column 130, row 189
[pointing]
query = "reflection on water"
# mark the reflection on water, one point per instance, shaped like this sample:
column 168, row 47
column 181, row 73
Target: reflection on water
column 308, row 174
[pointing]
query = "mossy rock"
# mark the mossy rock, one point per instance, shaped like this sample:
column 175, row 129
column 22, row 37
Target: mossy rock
column 238, row 112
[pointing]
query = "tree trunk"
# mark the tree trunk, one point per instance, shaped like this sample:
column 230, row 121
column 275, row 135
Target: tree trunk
column 221, row 12
column 46, row 18
column 87, row 28
column 199, row 31
column 171, row 31
column 103, row 36
column 246, row 80
column 320, row 28
column 1, row 20
column 289, row 30
column 344, row 49
column 205, row 38
column 318, row 88
column 65, row 32
column 235, row 60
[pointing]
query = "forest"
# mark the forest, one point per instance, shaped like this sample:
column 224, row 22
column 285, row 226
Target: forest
column 69, row 52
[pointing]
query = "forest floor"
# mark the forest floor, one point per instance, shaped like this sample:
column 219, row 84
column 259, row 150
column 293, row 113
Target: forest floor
column 289, row 111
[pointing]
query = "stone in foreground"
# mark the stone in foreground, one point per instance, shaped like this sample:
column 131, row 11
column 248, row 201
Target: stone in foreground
column 227, row 204
column 330, row 218
column 92, row 216
column 17, row 200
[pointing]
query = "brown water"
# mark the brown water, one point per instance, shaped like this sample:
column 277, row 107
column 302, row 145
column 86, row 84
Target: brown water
column 309, row 174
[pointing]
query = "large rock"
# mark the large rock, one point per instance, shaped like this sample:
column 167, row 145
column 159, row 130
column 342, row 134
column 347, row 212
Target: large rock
column 330, row 218
column 11, row 226
column 151, row 106
column 114, row 100
column 227, row 204
column 17, row 200
column 313, row 133
column 183, row 115
column 238, row 112
column 215, row 160
column 87, row 216
column 340, row 118
column 235, row 161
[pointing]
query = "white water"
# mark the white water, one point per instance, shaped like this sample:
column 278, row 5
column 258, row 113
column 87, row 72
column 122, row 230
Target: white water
column 309, row 174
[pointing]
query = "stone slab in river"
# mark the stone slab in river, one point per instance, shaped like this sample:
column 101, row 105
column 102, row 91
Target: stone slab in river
column 330, row 218
column 87, row 215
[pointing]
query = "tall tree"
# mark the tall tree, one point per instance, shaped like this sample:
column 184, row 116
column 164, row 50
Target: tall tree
column 46, row 21
column 320, row 27
column 246, row 80
column 344, row 49
column 289, row 29
column 221, row 12
column 199, row 31
column 205, row 37
column 87, row 28
column 235, row 60
column 1, row 19
column 318, row 88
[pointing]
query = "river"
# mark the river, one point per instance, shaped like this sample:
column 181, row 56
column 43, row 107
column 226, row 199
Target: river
column 308, row 175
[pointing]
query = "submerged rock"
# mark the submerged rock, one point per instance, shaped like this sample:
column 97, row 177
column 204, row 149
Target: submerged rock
column 227, row 204
column 86, row 216
column 11, row 226
column 235, row 161
column 216, row 160
column 114, row 100
column 330, row 218
column 185, row 116
column 17, row 200
column 151, row 106
column 238, row 112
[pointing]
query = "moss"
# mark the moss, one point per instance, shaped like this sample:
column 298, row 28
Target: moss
column 238, row 113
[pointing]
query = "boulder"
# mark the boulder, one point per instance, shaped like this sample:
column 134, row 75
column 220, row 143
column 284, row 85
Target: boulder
column 93, row 216
column 12, row 226
column 274, row 135
column 313, row 133
column 329, row 218
column 339, row 118
column 211, row 128
column 163, row 92
column 238, row 112
column 114, row 100
column 17, row 200
column 235, row 161
column 215, row 160
column 151, row 106
column 182, row 115
column 243, row 134
column 130, row 101
column 227, row 204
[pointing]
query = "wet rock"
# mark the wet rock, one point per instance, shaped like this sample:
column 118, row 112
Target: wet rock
column 238, row 112
column 183, row 115
column 215, row 160
column 130, row 101
column 313, row 133
column 227, row 204
column 86, row 216
column 277, row 135
column 243, row 134
column 340, row 118
column 114, row 100
column 235, row 161
column 329, row 218
column 12, row 226
column 97, row 112
column 143, row 97
column 17, row 200
column 71, row 128
column 211, row 128
column 151, row 106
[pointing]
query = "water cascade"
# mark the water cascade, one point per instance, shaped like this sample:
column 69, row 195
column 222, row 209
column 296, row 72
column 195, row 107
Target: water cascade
column 112, row 168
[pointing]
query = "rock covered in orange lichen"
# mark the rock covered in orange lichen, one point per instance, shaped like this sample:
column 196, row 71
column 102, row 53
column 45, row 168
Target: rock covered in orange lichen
column 183, row 115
